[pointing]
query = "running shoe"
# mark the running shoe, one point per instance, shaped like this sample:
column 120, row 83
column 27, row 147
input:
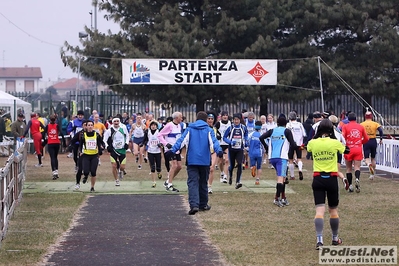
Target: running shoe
column 257, row 182
column 210, row 191
column 319, row 245
column 286, row 181
column 84, row 179
column 92, row 189
column 172, row 189
column 300, row 175
column 137, row 159
column 154, row 185
column 253, row 171
column 371, row 177
column 145, row 159
column 357, row 185
column 159, row 176
column 39, row 165
column 70, row 155
column 55, row 176
column 230, row 180
column 278, row 203
column 337, row 242
column 225, row 179
column 139, row 167
column 117, row 183
column 371, row 169
column 165, row 184
column 285, row 202
column 346, row 183
column 124, row 172
column 238, row 185
column 77, row 187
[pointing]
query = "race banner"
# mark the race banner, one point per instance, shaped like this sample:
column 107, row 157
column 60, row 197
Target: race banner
column 199, row 72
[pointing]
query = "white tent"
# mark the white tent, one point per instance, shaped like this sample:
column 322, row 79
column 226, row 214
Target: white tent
column 13, row 105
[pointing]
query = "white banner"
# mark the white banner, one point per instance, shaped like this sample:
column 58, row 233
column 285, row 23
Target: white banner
column 199, row 72
column 387, row 157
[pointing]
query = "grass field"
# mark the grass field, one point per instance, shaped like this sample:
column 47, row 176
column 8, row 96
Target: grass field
column 245, row 226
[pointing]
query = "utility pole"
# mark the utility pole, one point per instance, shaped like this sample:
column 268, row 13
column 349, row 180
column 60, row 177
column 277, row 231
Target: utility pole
column 95, row 3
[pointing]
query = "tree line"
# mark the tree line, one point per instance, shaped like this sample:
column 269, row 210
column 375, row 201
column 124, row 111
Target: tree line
column 357, row 38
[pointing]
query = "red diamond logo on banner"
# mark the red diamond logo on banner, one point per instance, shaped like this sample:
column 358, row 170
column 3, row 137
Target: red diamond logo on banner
column 258, row 72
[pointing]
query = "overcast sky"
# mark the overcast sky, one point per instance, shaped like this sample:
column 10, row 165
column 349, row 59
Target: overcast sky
column 32, row 32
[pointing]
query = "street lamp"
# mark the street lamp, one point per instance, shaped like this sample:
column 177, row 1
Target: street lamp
column 81, row 35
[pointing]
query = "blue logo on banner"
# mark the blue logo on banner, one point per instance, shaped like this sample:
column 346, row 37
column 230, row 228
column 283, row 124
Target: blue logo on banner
column 139, row 73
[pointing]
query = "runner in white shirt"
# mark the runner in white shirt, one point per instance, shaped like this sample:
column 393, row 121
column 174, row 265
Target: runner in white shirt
column 222, row 126
column 299, row 133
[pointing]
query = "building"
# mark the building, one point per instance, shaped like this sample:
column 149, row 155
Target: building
column 20, row 79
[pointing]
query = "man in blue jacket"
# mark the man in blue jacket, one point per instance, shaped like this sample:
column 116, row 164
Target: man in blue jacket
column 200, row 141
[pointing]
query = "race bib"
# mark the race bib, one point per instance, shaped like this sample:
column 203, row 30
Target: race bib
column 91, row 144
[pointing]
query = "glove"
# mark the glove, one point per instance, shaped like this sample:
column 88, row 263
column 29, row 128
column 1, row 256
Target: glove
column 44, row 142
column 141, row 145
column 126, row 146
column 233, row 142
column 169, row 146
column 220, row 154
column 168, row 155
column 160, row 145
column 347, row 150
column 109, row 149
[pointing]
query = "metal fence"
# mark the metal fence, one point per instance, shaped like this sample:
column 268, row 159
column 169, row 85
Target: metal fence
column 110, row 103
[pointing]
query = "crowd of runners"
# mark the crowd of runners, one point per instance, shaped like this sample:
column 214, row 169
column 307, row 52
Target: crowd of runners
column 242, row 142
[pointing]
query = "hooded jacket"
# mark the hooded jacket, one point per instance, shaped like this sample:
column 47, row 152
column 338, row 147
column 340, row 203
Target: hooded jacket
column 199, row 140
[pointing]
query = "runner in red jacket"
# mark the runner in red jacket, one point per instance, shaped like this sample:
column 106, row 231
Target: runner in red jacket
column 355, row 136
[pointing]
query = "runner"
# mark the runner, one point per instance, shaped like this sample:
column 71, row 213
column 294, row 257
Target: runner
column 211, row 122
column 355, row 136
column 137, row 136
column 73, row 128
column 154, row 150
column 34, row 125
column 116, row 140
column 75, row 141
column 91, row 145
column 222, row 126
column 256, row 152
column 168, row 136
column 236, row 136
column 51, row 133
column 324, row 148
column 299, row 133
column 279, row 144
column 370, row 147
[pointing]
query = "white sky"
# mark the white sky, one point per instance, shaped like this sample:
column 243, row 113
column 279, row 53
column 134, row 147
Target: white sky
column 42, row 28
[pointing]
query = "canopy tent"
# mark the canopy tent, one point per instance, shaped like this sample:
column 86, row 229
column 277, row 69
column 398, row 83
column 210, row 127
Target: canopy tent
column 13, row 105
